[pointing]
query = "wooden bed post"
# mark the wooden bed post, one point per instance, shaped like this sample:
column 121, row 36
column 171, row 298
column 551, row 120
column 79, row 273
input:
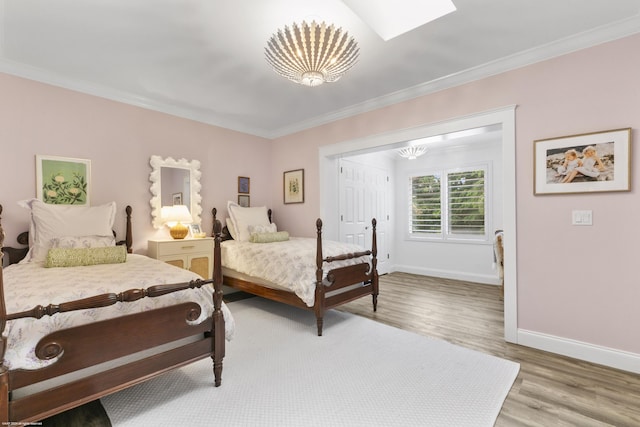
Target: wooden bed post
column 319, row 295
column 128, row 235
column 218, row 344
column 4, row 373
column 374, row 265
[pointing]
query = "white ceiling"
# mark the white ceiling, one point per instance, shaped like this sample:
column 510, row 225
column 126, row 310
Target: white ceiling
column 204, row 59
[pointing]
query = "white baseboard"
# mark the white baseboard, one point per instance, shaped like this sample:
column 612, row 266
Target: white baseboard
column 611, row 357
column 606, row 356
column 486, row 279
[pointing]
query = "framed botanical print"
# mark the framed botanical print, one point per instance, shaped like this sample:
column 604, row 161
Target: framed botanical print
column 293, row 187
column 63, row 180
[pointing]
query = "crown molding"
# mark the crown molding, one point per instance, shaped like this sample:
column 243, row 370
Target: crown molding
column 43, row 76
column 599, row 35
column 596, row 36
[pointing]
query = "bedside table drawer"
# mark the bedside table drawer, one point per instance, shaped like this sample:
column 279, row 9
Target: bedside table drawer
column 191, row 254
column 180, row 247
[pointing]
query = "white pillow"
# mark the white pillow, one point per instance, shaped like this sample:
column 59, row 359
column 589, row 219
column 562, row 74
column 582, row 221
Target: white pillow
column 261, row 229
column 242, row 218
column 231, row 228
column 229, row 205
column 51, row 221
column 75, row 242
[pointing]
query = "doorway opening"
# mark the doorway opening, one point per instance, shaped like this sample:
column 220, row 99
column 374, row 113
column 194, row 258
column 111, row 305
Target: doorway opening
column 503, row 118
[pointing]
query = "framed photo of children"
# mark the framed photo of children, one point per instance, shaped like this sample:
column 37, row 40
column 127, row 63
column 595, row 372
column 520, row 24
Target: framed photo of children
column 293, row 187
column 584, row 163
column 63, row 180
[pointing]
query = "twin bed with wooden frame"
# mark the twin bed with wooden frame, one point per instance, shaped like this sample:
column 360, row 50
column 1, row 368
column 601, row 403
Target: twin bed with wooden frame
column 339, row 278
column 85, row 362
column 76, row 363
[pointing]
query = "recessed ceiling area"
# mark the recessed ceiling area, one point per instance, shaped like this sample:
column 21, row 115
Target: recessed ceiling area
column 390, row 19
column 204, row 59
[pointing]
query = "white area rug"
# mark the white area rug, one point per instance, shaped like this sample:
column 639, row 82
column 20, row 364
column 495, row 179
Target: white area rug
column 278, row 372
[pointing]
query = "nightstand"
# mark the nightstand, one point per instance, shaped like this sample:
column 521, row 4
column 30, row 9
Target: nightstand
column 191, row 254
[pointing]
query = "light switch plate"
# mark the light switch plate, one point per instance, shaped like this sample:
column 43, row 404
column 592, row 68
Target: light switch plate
column 583, row 217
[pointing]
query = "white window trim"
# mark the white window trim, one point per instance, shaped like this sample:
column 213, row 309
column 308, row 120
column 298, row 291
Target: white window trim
column 443, row 236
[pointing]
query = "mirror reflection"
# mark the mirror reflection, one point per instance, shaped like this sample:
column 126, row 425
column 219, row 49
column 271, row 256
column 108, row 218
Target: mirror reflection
column 175, row 186
column 174, row 182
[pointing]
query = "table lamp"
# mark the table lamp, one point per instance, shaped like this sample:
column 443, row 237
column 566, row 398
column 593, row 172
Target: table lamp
column 175, row 217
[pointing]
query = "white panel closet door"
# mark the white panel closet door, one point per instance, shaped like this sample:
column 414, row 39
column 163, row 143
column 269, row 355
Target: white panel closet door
column 363, row 196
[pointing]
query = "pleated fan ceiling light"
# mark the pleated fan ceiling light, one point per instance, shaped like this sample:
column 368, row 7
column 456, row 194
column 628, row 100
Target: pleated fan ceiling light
column 412, row 152
column 311, row 54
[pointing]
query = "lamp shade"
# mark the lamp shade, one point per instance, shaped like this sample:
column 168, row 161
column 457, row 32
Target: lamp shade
column 174, row 217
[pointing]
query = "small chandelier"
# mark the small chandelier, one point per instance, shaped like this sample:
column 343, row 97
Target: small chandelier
column 311, row 54
column 412, row 152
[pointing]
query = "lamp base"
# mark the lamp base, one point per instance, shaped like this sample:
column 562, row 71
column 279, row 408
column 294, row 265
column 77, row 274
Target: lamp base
column 179, row 231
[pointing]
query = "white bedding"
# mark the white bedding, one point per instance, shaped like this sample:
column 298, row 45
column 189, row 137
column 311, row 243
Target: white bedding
column 290, row 264
column 29, row 284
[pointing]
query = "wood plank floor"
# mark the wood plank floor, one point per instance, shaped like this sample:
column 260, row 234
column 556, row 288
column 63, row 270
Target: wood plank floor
column 550, row 390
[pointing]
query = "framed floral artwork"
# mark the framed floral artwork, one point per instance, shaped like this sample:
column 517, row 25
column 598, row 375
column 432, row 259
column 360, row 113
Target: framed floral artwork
column 584, row 163
column 63, row 180
column 293, row 187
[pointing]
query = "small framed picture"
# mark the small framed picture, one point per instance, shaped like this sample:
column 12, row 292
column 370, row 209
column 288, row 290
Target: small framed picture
column 243, row 185
column 243, row 200
column 584, row 163
column 293, row 186
column 177, row 198
column 63, row 180
column 195, row 230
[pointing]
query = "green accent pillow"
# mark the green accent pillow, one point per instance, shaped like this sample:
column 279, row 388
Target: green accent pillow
column 73, row 257
column 278, row 236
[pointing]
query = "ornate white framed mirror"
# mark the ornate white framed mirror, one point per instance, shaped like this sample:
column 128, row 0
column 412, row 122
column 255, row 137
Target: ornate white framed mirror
column 174, row 182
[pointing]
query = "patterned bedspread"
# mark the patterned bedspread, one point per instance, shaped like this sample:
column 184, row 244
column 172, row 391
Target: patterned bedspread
column 29, row 284
column 290, row 264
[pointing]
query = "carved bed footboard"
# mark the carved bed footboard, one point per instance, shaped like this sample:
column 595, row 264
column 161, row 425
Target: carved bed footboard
column 95, row 343
column 341, row 285
column 344, row 277
column 144, row 345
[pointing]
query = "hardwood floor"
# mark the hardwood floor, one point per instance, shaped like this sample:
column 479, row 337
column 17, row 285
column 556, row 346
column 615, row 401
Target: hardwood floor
column 550, row 390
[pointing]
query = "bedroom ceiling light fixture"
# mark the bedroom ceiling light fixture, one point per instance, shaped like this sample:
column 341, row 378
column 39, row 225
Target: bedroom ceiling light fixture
column 412, row 152
column 311, row 54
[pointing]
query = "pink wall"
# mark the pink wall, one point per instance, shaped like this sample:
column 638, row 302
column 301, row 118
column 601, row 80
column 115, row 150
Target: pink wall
column 119, row 140
column 573, row 282
column 577, row 283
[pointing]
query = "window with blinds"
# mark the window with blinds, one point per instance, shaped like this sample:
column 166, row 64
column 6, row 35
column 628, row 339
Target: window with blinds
column 466, row 202
column 426, row 204
column 449, row 204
